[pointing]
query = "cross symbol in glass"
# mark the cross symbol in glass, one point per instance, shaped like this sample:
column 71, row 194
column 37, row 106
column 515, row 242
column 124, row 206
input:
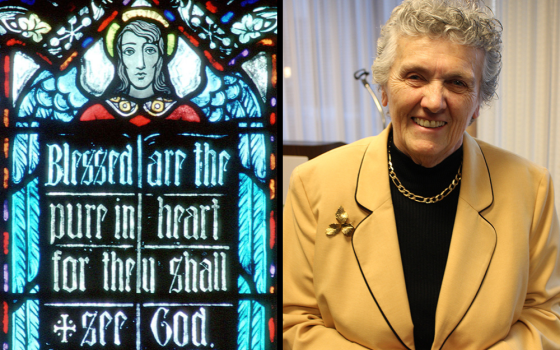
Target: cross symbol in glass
column 67, row 326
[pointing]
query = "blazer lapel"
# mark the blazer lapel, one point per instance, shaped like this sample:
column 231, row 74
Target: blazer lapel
column 472, row 244
column 377, row 251
column 376, row 244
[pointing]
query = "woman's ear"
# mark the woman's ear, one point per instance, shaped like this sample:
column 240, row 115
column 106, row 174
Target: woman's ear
column 476, row 113
column 384, row 98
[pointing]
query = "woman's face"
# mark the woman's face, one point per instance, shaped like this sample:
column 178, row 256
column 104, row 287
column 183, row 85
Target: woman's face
column 139, row 59
column 433, row 94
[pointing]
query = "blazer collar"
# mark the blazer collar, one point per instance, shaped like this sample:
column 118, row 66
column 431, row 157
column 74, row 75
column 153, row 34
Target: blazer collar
column 374, row 172
column 376, row 245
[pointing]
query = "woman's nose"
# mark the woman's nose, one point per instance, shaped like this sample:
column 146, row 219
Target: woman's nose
column 434, row 99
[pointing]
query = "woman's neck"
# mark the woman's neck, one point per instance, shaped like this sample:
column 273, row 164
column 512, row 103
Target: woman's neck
column 421, row 180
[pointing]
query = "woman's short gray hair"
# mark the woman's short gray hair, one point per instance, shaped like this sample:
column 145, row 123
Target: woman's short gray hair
column 465, row 22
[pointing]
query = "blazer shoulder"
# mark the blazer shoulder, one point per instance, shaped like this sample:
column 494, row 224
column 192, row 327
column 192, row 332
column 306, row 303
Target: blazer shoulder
column 341, row 157
column 506, row 162
column 335, row 171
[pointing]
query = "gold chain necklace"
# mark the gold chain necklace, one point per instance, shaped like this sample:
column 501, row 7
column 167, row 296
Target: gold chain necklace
column 415, row 197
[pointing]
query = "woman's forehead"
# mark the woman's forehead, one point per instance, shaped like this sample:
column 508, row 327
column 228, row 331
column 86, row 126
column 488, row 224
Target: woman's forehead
column 428, row 53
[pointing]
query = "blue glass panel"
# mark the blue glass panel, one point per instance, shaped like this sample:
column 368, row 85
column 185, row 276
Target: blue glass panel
column 258, row 155
column 47, row 81
column 50, row 99
column 33, row 229
column 43, row 113
column 19, row 241
column 253, row 154
column 245, row 222
column 19, row 329
column 65, row 117
column 25, row 321
column 203, row 100
column 244, row 153
column 39, row 96
column 252, row 231
column 259, row 238
column 60, row 103
column 242, row 102
column 251, row 326
column 257, row 326
column 33, row 151
column 25, row 235
column 33, row 325
column 19, row 163
column 243, row 285
column 243, row 326
column 43, row 97
column 67, row 86
column 227, row 97
column 25, row 155
column 227, row 17
column 28, row 104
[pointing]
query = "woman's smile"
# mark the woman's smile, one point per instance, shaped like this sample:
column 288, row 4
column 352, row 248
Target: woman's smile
column 431, row 124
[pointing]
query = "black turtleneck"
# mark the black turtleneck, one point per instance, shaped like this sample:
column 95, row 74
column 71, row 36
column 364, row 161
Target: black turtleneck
column 424, row 232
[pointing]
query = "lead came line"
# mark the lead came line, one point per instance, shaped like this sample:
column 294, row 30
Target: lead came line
column 137, row 326
column 202, row 135
column 139, row 161
column 193, row 194
column 185, row 304
column 90, row 304
column 94, row 194
column 139, row 245
column 76, row 245
column 151, row 246
column 107, row 194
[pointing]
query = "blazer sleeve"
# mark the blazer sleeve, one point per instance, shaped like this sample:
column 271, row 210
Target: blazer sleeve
column 538, row 327
column 303, row 327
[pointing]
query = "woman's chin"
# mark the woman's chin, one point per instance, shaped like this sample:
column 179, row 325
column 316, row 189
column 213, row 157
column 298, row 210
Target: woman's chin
column 428, row 155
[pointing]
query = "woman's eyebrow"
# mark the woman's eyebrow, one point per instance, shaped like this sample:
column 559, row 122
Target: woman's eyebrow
column 455, row 74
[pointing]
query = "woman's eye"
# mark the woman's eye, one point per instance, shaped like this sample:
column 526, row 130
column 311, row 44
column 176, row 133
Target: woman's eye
column 150, row 50
column 414, row 77
column 459, row 83
column 129, row 52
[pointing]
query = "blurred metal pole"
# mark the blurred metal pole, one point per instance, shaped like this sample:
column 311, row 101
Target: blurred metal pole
column 361, row 75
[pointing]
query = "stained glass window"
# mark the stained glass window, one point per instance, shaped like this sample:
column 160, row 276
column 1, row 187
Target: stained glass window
column 139, row 174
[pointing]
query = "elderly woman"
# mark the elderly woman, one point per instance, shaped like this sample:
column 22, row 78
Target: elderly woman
column 423, row 237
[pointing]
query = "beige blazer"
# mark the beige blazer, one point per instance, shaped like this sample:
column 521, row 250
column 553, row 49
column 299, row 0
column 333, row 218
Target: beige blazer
column 501, row 287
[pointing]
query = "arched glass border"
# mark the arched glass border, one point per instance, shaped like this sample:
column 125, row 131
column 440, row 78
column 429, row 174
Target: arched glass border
column 55, row 67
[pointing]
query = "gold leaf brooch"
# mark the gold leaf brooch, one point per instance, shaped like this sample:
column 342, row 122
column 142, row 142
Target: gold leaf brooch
column 341, row 217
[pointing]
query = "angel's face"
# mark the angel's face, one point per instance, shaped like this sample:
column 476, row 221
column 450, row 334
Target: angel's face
column 140, row 59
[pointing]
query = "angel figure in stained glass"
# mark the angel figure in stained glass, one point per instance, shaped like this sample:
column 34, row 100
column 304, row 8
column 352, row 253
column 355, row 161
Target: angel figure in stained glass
column 142, row 92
